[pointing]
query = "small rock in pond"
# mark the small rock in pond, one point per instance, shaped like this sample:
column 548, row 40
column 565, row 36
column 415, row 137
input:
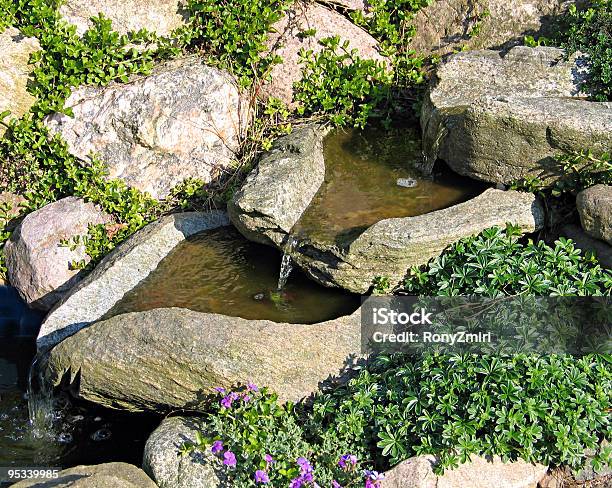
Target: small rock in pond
column 98, row 419
column 76, row 418
column 101, row 435
column 406, row 182
column 259, row 296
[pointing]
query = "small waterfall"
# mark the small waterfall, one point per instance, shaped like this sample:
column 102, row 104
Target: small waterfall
column 40, row 402
column 286, row 262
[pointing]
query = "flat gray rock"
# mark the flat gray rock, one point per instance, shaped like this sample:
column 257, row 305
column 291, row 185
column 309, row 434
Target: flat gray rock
column 170, row 359
column 392, row 246
column 280, row 188
column 39, row 266
column 501, row 117
column 417, row 472
column 595, row 209
column 120, row 271
column 168, row 469
column 185, row 120
column 109, row 475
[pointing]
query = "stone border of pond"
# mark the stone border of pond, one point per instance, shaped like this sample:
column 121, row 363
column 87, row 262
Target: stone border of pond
column 120, row 271
column 287, row 178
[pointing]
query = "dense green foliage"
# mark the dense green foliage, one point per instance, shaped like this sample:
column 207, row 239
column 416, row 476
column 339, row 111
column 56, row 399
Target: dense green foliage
column 67, row 60
column 496, row 263
column 347, row 89
column 233, row 34
column 339, row 83
column 541, row 409
column 589, row 31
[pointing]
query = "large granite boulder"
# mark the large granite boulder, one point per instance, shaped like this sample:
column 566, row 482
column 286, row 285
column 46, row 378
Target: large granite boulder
column 184, row 120
column 287, row 40
column 445, row 26
column 280, row 189
column 39, row 266
column 15, row 51
column 170, row 359
column 168, row 469
column 595, row 209
column 417, row 472
column 109, row 475
column 120, row 271
column 501, row 117
column 159, row 16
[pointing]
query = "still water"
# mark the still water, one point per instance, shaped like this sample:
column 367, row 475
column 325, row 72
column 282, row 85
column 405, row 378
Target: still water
column 219, row 271
column 361, row 183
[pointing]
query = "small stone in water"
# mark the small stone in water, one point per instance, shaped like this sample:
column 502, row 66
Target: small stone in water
column 406, row 182
column 101, row 435
column 76, row 418
column 98, row 419
column 259, row 296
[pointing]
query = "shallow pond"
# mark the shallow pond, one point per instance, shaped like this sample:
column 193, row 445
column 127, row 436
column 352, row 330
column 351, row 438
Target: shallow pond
column 219, row 271
column 77, row 432
column 361, row 183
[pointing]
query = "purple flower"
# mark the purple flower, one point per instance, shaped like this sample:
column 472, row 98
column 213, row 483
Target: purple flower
column 220, row 389
column 304, row 465
column 296, row 483
column 347, row 460
column 261, row 477
column 217, row 447
column 246, row 398
column 335, row 484
column 372, row 478
column 269, row 459
column 227, row 400
column 252, row 387
column 229, row 459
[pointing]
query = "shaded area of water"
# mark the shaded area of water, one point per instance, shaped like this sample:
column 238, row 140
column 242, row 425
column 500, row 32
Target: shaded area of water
column 79, row 432
column 219, row 271
column 361, row 183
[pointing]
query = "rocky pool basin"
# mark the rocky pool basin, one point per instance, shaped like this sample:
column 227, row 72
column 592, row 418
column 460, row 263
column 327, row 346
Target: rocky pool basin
column 347, row 224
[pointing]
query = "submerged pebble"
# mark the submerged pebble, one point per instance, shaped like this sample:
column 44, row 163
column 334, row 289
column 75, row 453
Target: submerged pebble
column 407, row 182
column 101, row 435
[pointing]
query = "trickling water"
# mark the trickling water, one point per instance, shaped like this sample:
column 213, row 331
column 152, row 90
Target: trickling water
column 41, row 409
column 286, row 262
column 40, row 429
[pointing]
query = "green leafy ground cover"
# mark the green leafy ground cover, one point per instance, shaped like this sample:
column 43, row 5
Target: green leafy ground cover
column 545, row 409
column 542, row 409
